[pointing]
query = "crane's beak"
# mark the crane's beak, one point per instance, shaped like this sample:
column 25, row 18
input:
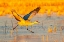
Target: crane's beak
column 38, row 22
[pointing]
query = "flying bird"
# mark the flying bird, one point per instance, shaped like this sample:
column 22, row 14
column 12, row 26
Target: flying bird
column 25, row 21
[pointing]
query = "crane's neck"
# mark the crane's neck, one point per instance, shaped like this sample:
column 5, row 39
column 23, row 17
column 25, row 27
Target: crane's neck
column 34, row 23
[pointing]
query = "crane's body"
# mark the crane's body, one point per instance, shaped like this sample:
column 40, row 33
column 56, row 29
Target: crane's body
column 27, row 23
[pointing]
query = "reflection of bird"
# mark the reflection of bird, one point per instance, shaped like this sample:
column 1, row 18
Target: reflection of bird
column 50, row 30
column 25, row 20
column 55, row 29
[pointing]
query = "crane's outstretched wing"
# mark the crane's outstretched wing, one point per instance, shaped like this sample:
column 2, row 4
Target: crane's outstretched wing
column 17, row 17
column 31, row 14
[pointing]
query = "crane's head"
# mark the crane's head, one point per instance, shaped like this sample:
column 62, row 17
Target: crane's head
column 36, row 22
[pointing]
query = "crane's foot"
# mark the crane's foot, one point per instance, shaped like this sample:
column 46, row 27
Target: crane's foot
column 32, row 32
column 27, row 29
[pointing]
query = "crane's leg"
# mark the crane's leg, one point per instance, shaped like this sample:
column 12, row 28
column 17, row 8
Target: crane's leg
column 15, row 27
column 29, row 30
column 13, row 30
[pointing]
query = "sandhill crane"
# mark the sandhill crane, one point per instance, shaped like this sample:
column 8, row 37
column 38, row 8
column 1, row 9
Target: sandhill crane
column 25, row 21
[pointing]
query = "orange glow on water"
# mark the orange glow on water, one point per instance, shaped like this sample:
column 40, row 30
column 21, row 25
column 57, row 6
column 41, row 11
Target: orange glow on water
column 25, row 6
